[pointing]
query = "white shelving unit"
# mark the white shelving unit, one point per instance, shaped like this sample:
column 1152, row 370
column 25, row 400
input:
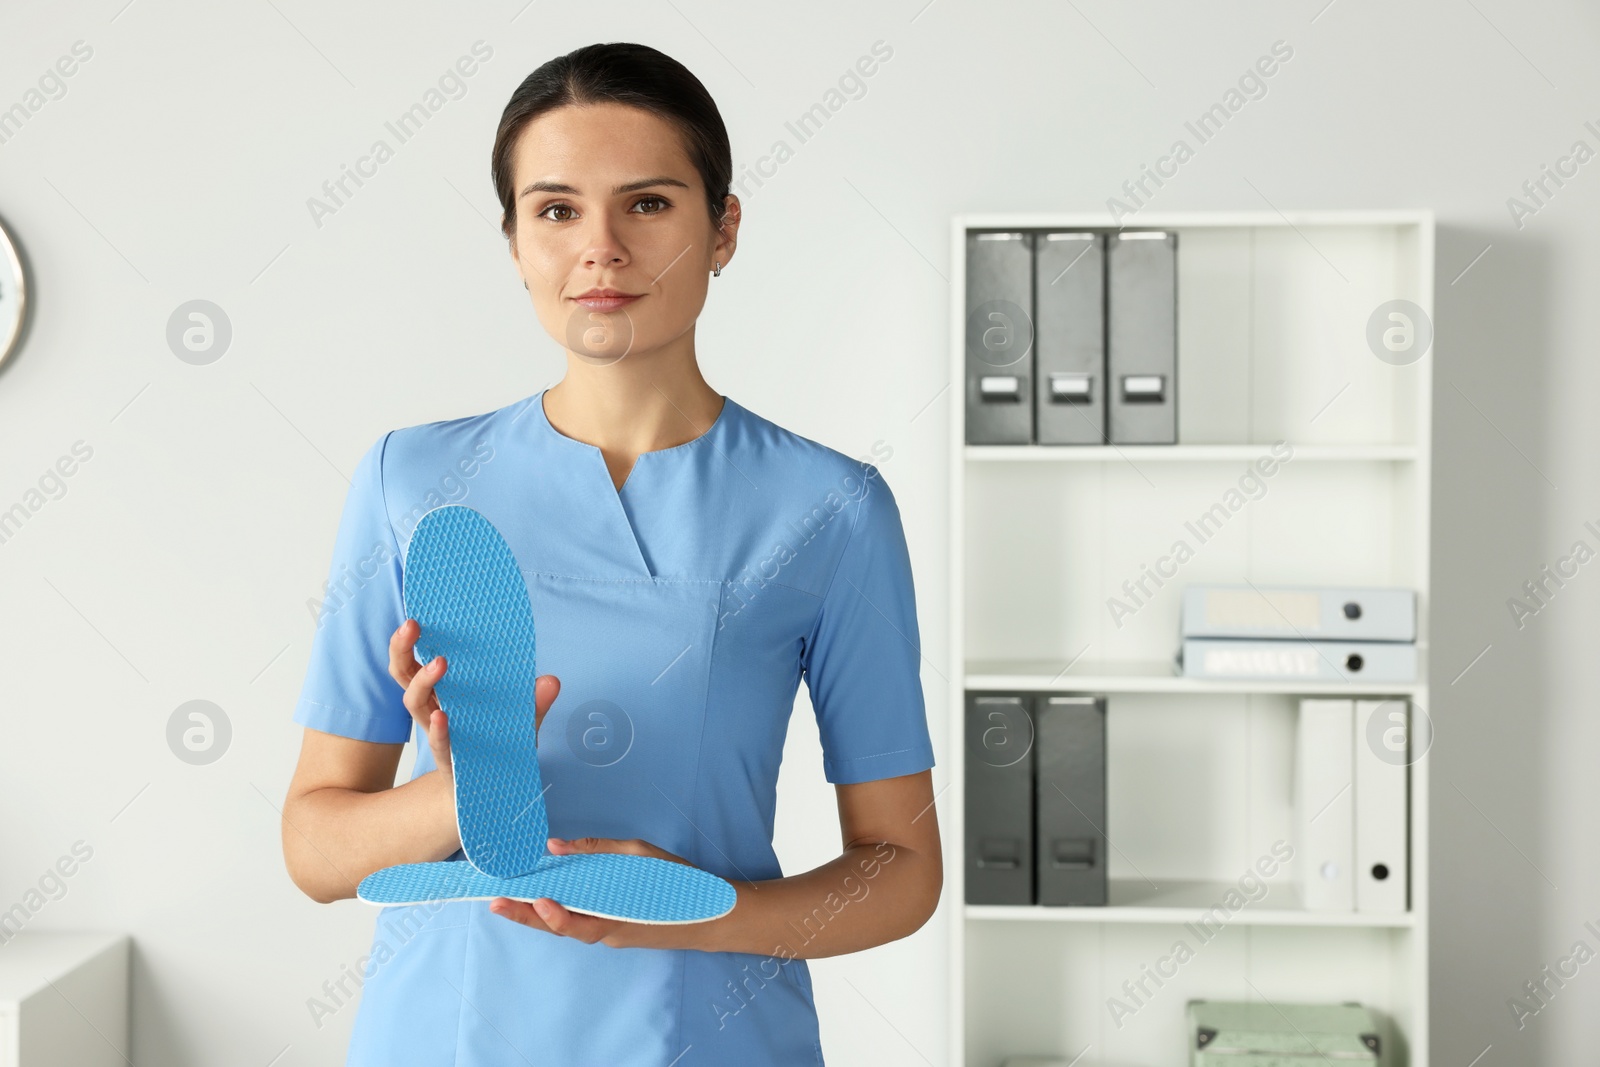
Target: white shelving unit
column 64, row 999
column 1272, row 317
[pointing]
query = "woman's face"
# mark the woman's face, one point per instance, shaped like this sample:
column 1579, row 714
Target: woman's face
column 606, row 198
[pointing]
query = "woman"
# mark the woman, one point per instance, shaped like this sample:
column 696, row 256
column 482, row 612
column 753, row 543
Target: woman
column 687, row 562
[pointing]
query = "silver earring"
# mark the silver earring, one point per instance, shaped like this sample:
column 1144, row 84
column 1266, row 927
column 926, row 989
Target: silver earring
column 717, row 271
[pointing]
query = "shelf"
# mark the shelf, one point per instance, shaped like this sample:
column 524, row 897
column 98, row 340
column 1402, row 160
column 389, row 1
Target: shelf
column 1137, row 901
column 1201, row 772
column 1193, row 220
column 1156, row 676
column 64, row 998
column 1184, row 453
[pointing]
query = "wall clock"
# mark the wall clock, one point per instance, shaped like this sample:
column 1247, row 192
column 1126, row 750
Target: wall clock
column 13, row 295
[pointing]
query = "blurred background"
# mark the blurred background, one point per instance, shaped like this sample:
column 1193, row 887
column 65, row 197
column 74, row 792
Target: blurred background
column 187, row 157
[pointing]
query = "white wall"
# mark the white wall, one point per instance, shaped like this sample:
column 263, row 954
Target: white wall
column 178, row 564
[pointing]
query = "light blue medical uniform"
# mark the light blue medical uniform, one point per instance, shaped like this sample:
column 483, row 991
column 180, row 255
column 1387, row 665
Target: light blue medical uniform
column 680, row 613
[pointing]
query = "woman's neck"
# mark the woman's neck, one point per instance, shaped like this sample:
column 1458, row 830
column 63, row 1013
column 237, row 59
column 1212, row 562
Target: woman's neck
column 625, row 411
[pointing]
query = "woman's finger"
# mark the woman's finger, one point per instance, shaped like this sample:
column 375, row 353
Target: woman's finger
column 419, row 699
column 579, row 927
column 566, row 846
column 439, row 740
column 518, row 911
column 402, row 662
column 546, row 688
column 632, row 846
column 548, row 915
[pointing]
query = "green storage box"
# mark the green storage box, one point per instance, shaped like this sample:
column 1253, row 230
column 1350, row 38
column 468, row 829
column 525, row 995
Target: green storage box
column 1242, row 1034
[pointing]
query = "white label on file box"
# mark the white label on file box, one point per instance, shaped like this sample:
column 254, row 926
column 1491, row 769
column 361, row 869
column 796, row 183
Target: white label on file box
column 1143, row 386
column 1298, row 660
column 1071, row 386
column 1301, row 609
column 998, row 385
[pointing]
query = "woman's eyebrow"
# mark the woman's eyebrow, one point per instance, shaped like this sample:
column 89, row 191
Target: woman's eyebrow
column 630, row 187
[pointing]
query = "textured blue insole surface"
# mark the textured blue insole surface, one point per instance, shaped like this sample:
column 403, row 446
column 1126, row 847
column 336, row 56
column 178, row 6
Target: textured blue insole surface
column 464, row 588
column 611, row 884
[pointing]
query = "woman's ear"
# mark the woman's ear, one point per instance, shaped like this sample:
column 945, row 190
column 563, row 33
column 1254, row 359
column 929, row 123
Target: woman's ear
column 511, row 242
column 727, row 230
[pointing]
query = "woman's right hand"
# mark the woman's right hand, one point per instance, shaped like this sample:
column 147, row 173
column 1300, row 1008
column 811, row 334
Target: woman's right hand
column 418, row 681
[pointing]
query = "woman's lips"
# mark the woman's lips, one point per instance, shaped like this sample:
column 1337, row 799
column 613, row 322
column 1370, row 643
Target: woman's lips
column 605, row 303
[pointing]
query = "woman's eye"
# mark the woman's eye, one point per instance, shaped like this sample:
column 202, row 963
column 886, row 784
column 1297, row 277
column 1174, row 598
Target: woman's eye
column 662, row 203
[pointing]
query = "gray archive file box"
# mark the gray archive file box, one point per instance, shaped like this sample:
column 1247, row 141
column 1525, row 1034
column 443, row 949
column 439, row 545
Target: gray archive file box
column 999, row 800
column 1288, row 659
column 999, row 338
column 1070, row 792
column 1332, row 612
column 1069, row 340
column 1142, row 338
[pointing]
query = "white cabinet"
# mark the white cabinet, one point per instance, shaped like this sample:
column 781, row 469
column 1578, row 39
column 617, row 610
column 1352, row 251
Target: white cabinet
column 1273, row 320
column 64, row 1000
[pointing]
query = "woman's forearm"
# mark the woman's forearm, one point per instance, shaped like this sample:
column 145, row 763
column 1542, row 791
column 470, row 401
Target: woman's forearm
column 869, row 895
column 334, row 837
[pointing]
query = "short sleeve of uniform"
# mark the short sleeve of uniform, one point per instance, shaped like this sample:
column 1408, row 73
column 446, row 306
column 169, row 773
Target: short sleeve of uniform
column 347, row 688
column 862, row 659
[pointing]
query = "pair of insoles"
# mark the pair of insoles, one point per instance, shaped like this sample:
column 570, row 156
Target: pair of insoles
column 463, row 586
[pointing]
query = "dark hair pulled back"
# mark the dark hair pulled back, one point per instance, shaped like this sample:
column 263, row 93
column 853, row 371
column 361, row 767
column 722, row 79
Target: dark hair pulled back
column 622, row 73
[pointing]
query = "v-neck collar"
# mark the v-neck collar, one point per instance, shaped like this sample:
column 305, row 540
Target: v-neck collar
column 590, row 459
column 537, row 402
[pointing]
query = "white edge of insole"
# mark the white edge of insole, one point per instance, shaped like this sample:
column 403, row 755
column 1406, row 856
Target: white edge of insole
column 529, row 900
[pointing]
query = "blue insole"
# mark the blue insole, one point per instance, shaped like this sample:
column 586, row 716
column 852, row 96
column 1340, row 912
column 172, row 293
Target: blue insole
column 463, row 586
column 613, row 885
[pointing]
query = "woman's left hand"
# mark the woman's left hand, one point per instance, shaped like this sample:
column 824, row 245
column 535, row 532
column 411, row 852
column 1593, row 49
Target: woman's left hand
column 546, row 914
